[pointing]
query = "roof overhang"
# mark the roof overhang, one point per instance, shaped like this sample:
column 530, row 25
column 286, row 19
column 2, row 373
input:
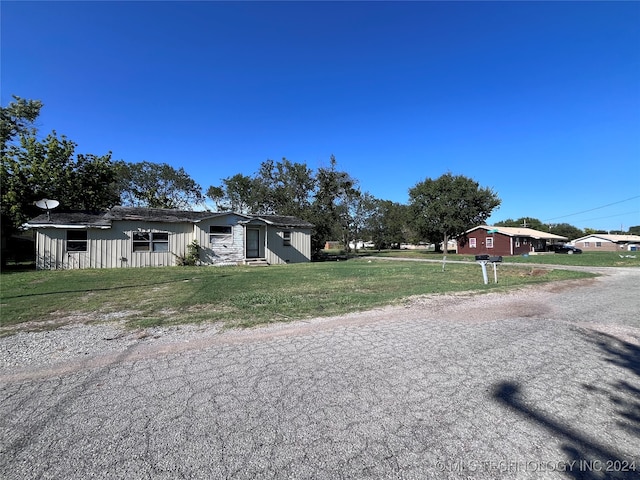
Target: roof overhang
column 266, row 221
column 518, row 232
column 62, row 226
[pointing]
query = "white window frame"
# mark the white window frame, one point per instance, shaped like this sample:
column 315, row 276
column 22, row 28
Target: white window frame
column 473, row 243
column 489, row 242
column 78, row 242
column 220, row 233
column 156, row 242
column 286, row 238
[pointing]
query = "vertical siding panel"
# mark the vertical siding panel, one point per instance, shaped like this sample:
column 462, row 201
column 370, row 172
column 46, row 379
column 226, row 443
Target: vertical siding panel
column 99, row 254
column 40, row 256
column 298, row 251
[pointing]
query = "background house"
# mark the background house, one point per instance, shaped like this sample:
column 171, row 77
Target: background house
column 599, row 242
column 150, row 237
column 505, row 241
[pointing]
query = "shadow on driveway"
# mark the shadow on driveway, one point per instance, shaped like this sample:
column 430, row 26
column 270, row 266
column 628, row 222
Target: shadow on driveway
column 593, row 459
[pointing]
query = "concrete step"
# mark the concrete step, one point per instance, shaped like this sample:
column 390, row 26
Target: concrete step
column 258, row 262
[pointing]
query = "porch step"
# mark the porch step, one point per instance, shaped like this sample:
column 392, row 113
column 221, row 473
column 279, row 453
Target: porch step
column 258, row 262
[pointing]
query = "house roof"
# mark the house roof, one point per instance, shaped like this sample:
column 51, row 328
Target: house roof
column 520, row 232
column 281, row 221
column 69, row 220
column 611, row 238
column 104, row 219
column 164, row 215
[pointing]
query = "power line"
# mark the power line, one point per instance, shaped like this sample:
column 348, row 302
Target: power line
column 592, row 209
column 608, row 216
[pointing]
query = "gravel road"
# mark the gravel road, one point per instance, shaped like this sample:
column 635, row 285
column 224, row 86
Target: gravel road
column 541, row 382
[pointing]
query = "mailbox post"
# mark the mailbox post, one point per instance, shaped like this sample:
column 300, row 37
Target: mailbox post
column 483, row 260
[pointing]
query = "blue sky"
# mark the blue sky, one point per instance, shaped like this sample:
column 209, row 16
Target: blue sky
column 539, row 101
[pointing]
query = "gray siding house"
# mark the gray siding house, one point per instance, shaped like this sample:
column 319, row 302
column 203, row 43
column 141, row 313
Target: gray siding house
column 153, row 237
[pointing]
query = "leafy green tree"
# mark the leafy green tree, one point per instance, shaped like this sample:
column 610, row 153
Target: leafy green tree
column 566, row 230
column 285, row 188
column 34, row 169
column 389, row 224
column 525, row 222
column 335, row 194
column 450, row 205
column 157, row 185
column 17, row 118
column 218, row 196
column 635, row 230
column 238, row 193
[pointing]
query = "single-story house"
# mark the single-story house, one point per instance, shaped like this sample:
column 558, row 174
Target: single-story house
column 600, row 242
column 485, row 239
column 152, row 237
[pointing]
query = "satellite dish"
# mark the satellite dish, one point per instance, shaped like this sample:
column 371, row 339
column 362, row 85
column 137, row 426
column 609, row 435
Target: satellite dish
column 47, row 204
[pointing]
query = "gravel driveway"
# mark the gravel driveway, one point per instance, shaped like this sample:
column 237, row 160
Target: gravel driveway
column 542, row 382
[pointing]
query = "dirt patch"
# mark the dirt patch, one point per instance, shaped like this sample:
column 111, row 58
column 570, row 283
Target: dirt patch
column 58, row 320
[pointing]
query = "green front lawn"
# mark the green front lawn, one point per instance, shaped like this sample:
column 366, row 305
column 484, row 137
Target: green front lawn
column 588, row 259
column 237, row 296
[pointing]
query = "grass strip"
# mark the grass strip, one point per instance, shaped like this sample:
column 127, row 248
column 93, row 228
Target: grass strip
column 238, row 296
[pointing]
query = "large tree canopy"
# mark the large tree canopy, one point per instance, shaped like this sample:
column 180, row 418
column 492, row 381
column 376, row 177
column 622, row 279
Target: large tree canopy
column 388, row 224
column 327, row 198
column 238, row 193
column 34, row 169
column 283, row 187
column 157, row 185
column 17, row 118
column 450, row 205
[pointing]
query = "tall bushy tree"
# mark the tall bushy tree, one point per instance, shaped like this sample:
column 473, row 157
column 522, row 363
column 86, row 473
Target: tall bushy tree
column 389, row 224
column 157, row 185
column 567, row 230
column 285, row 188
column 17, row 118
column 330, row 211
column 528, row 222
column 238, row 193
column 34, row 169
column 328, row 199
column 450, row 205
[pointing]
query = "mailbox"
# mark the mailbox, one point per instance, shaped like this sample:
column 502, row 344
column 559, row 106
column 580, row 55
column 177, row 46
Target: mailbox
column 483, row 260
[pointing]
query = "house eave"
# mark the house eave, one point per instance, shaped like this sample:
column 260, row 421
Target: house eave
column 65, row 226
column 536, row 235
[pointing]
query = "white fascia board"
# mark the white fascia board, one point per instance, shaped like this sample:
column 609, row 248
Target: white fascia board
column 68, row 227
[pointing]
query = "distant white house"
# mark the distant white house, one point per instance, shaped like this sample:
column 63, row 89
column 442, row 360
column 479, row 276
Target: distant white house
column 150, row 237
column 600, row 242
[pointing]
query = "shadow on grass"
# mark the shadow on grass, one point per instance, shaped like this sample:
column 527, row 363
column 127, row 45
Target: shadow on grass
column 103, row 289
column 590, row 458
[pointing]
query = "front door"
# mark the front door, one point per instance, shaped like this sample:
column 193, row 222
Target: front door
column 253, row 243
